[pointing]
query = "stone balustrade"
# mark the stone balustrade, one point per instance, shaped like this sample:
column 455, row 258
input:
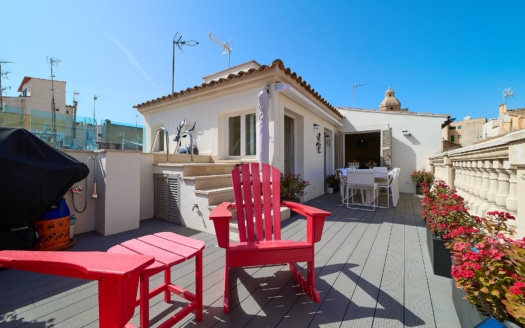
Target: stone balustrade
column 489, row 175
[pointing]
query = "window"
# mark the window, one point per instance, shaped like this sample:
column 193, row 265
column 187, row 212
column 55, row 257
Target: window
column 250, row 135
column 242, row 135
column 459, row 136
column 459, row 126
column 451, row 138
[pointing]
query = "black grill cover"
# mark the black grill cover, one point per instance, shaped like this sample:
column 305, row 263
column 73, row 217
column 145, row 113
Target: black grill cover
column 33, row 177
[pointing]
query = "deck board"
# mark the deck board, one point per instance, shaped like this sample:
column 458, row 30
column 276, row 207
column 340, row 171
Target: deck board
column 372, row 270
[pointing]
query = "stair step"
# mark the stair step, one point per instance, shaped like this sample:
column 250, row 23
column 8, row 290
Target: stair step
column 217, row 195
column 210, row 182
column 205, row 169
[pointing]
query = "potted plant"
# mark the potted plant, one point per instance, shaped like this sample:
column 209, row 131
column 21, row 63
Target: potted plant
column 332, row 183
column 422, row 178
column 443, row 211
column 489, row 266
column 293, row 186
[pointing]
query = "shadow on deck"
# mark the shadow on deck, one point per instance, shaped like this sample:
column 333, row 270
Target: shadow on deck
column 372, row 270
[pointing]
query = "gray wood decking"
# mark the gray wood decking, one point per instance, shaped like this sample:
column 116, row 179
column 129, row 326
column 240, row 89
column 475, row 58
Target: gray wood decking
column 372, row 268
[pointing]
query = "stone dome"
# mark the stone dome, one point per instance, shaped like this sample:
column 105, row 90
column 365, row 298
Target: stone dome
column 390, row 102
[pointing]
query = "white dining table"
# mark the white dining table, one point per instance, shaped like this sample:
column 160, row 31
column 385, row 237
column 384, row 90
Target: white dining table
column 376, row 175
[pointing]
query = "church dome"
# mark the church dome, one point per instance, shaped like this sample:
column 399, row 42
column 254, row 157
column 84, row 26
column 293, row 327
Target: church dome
column 390, row 102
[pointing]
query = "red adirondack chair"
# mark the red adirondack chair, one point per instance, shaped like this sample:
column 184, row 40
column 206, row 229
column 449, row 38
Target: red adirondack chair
column 257, row 204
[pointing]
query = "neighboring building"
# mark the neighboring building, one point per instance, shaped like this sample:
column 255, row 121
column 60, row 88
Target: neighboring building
column 32, row 110
column 467, row 132
column 491, row 128
column 308, row 136
column 511, row 120
column 390, row 103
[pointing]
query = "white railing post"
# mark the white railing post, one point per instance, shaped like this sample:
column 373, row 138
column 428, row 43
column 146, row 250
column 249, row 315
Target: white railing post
column 503, row 184
column 483, row 193
column 493, row 182
column 460, row 176
column 477, row 202
column 520, row 185
column 471, row 181
column 512, row 200
column 449, row 172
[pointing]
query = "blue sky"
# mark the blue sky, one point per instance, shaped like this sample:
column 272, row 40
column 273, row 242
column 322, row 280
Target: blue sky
column 443, row 57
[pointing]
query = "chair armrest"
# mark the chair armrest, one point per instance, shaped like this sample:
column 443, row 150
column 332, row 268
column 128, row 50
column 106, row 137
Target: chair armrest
column 314, row 219
column 221, row 217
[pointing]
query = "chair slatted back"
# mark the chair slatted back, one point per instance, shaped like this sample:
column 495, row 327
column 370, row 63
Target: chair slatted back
column 257, row 194
column 360, row 178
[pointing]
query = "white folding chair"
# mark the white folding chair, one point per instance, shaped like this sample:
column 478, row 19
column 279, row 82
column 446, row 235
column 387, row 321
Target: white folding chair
column 384, row 180
column 343, row 186
column 364, row 181
column 394, row 187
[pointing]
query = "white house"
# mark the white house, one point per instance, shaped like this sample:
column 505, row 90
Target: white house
column 306, row 135
column 224, row 109
column 393, row 138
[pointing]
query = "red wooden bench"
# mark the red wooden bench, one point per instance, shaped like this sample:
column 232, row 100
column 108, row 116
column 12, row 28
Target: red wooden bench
column 117, row 276
column 257, row 204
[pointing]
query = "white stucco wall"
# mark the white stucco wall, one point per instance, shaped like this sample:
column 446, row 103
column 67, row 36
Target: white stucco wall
column 124, row 188
column 409, row 153
column 308, row 161
column 211, row 114
column 208, row 113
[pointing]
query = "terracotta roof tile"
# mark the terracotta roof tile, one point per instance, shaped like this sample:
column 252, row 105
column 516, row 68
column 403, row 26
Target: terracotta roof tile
column 276, row 64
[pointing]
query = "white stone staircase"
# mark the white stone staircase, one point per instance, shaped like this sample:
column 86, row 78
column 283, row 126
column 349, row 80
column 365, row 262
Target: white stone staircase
column 204, row 184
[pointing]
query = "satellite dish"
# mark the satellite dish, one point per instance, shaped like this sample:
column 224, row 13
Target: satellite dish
column 504, row 118
column 466, row 118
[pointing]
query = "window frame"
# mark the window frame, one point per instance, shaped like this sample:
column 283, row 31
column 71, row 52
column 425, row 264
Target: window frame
column 243, row 134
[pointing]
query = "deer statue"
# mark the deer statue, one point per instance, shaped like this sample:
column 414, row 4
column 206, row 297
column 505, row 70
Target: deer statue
column 185, row 149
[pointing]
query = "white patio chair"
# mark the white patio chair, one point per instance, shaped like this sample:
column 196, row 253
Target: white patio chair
column 364, row 181
column 394, row 187
column 383, row 179
column 343, row 186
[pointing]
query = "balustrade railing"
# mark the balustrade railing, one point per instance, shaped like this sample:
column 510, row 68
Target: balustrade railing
column 488, row 175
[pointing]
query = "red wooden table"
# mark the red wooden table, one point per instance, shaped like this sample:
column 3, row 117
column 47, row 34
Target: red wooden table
column 169, row 249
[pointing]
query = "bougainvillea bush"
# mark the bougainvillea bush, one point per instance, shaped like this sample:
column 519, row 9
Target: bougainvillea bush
column 488, row 264
column 490, row 268
column 444, row 210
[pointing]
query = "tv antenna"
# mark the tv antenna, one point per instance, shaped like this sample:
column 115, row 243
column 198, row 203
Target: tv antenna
column 506, row 94
column 75, row 94
column 2, row 74
column 177, row 42
column 354, row 87
column 52, row 62
column 95, row 97
column 226, row 46
column 75, row 104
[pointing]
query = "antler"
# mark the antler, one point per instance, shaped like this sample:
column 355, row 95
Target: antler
column 179, row 128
